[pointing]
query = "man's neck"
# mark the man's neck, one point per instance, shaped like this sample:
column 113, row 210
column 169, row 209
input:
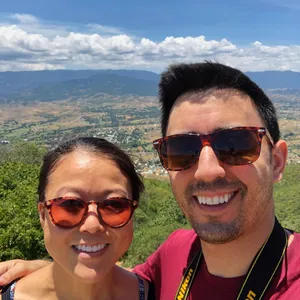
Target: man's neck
column 234, row 258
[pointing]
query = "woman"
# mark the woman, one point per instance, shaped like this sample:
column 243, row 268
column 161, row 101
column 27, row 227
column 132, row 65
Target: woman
column 88, row 191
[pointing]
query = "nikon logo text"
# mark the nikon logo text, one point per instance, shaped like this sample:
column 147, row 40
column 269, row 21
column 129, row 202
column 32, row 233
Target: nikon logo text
column 184, row 285
column 251, row 295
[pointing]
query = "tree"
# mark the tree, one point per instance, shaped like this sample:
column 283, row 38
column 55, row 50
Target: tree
column 20, row 232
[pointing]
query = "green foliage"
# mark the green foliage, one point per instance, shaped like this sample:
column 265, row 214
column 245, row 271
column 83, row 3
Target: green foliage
column 20, row 232
column 157, row 216
column 28, row 153
column 287, row 198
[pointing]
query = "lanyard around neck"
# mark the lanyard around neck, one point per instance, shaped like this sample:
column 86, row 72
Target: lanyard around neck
column 260, row 273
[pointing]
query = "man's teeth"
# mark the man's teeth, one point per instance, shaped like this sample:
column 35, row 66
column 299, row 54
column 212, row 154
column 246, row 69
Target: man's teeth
column 214, row 200
column 85, row 248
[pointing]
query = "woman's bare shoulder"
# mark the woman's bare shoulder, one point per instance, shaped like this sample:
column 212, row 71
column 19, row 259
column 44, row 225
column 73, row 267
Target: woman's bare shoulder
column 128, row 285
column 34, row 285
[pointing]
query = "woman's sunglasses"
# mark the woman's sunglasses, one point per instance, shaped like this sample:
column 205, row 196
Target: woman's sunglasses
column 68, row 212
column 232, row 146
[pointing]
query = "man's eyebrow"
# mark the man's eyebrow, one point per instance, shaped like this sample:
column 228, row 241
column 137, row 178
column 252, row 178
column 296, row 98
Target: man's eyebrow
column 215, row 130
column 221, row 128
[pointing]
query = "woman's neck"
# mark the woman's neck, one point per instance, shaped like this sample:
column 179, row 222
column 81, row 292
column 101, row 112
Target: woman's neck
column 53, row 283
column 69, row 286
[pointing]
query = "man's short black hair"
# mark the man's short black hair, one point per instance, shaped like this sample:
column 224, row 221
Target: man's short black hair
column 180, row 79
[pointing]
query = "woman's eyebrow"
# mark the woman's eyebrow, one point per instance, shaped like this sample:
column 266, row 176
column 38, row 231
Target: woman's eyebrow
column 103, row 193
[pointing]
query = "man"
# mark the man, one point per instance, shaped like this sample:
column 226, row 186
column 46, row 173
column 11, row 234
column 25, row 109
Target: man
column 222, row 151
column 223, row 154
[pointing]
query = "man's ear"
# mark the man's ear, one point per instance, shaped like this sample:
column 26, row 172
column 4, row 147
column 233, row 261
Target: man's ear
column 41, row 210
column 280, row 154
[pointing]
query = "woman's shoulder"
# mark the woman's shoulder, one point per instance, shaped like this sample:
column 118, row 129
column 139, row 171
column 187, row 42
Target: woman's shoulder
column 7, row 292
column 27, row 287
column 134, row 286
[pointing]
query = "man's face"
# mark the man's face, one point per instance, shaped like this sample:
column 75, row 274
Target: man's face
column 248, row 188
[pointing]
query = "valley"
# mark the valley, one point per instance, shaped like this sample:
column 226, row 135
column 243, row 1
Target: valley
column 131, row 121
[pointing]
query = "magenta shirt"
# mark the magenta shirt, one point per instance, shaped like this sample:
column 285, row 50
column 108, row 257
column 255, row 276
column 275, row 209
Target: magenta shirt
column 165, row 268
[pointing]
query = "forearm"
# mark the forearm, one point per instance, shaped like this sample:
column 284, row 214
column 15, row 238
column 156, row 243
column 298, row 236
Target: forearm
column 12, row 269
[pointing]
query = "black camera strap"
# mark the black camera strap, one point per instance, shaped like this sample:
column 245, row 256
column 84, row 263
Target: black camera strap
column 260, row 273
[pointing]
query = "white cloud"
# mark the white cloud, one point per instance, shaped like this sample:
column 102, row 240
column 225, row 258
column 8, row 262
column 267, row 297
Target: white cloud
column 20, row 66
column 103, row 30
column 24, row 18
column 33, row 44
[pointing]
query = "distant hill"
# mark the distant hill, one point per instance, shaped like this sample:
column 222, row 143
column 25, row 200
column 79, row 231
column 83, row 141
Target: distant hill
column 14, row 82
column 107, row 83
column 32, row 84
column 61, row 84
column 276, row 79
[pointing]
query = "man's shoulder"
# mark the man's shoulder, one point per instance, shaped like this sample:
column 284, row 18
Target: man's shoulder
column 295, row 243
column 288, row 286
column 181, row 243
column 291, row 267
column 170, row 258
column 293, row 249
column 181, row 235
column 297, row 236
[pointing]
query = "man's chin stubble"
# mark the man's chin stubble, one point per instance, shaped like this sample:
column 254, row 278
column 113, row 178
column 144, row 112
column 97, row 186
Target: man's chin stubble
column 216, row 232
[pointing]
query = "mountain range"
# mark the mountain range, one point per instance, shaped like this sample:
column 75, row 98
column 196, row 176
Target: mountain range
column 62, row 84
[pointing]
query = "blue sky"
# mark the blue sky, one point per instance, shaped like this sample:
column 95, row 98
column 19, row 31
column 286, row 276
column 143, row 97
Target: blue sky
column 254, row 31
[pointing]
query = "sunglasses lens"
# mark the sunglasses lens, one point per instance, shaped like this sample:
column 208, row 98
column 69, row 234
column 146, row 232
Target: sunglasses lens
column 237, row 147
column 116, row 212
column 179, row 152
column 67, row 212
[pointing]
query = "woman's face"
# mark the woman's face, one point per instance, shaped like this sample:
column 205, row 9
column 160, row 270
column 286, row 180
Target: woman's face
column 90, row 177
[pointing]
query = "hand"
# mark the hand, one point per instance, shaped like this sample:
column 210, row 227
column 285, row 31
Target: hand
column 16, row 268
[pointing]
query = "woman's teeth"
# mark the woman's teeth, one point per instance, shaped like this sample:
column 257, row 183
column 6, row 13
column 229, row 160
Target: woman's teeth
column 89, row 249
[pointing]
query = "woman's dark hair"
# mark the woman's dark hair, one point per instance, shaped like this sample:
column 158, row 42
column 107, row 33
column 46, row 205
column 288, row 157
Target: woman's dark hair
column 94, row 145
column 181, row 79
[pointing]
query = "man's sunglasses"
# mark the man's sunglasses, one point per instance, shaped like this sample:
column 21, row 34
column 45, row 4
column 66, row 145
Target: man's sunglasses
column 232, row 146
column 68, row 212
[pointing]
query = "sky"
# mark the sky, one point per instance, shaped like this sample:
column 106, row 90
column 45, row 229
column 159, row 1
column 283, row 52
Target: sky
column 253, row 35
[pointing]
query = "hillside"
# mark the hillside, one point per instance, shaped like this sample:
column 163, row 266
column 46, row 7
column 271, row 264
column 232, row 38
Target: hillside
column 100, row 83
column 120, row 105
column 16, row 83
column 157, row 216
column 63, row 84
column 276, row 79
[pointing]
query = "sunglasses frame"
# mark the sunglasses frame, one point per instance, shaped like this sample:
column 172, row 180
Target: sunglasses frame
column 207, row 140
column 48, row 204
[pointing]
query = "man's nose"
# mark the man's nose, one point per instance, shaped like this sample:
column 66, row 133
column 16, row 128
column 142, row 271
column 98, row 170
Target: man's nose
column 208, row 167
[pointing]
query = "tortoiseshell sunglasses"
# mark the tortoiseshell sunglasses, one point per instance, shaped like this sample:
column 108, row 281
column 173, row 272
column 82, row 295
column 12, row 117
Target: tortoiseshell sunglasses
column 232, row 146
